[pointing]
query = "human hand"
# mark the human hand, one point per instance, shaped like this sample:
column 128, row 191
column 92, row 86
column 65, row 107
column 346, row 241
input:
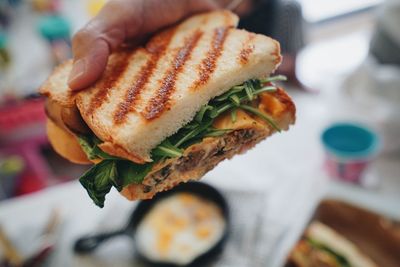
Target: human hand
column 120, row 21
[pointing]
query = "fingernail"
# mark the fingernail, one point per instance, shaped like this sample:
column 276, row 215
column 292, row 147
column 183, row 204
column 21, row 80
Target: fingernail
column 77, row 71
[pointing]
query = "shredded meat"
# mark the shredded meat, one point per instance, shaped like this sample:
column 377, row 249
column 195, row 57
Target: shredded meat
column 190, row 161
column 205, row 157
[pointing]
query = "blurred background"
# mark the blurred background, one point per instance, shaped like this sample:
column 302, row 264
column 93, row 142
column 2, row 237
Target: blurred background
column 342, row 60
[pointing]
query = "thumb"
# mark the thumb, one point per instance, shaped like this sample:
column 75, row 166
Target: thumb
column 89, row 67
column 93, row 44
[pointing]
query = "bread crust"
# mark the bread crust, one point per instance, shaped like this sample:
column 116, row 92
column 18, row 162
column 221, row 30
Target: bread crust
column 56, row 88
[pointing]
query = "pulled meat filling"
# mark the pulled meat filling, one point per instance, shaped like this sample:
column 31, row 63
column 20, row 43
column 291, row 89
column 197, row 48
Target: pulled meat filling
column 206, row 157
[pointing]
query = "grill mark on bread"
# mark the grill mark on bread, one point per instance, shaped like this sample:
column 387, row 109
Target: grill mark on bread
column 157, row 48
column 208, row 65
column 160, row 102
column 247, row 49
column 108, row 81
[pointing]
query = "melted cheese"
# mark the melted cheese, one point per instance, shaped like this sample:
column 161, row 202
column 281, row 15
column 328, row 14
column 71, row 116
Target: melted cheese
column 243, row 121
column 268, row 104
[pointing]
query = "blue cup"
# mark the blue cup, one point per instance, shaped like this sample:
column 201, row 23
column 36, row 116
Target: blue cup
column 349, row 147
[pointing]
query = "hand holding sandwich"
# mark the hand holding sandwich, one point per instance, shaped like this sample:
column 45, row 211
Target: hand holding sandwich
column 119, row 21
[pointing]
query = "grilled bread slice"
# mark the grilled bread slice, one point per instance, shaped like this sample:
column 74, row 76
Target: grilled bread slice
column 148, row 94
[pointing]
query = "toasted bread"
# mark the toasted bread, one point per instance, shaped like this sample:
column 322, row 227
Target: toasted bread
column 147, row 94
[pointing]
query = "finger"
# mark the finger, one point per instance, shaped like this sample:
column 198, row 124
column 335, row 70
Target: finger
column 93, row 44
column 89, row 68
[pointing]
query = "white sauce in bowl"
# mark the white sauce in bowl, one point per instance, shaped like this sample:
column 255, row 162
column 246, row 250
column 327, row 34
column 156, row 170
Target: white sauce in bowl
column 180, row 228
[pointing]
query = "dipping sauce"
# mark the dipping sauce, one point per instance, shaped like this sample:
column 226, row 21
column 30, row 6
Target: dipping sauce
column 180, row 228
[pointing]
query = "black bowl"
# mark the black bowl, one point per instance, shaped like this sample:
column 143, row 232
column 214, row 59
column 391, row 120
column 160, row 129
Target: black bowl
column 90, row 243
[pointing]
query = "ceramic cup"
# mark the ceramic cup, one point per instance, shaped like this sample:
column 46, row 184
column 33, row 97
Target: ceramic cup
column 349, row 148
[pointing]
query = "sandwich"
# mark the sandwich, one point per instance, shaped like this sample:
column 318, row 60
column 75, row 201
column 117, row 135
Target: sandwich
column 322, row 246
column 195, row 94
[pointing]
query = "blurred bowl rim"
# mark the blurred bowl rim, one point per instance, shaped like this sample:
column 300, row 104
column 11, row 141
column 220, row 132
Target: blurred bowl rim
column 201, row 189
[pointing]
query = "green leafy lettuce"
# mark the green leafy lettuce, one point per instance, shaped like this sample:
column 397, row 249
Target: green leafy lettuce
column 117, row 172
column 341, row 260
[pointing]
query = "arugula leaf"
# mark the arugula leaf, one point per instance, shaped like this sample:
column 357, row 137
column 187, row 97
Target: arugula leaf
column 235, row 100
column 98, row 181
column 274, row 79
column 89, row 144
column 265, row 89
column 130, row 172
column 115, row 178
column 166, row 149
column 234, row 115
column 225, row 96
column 263, row 116
column 219, row 110
column 200, row 115
column 249, row 90
column 340, row 258
column 193, row 133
